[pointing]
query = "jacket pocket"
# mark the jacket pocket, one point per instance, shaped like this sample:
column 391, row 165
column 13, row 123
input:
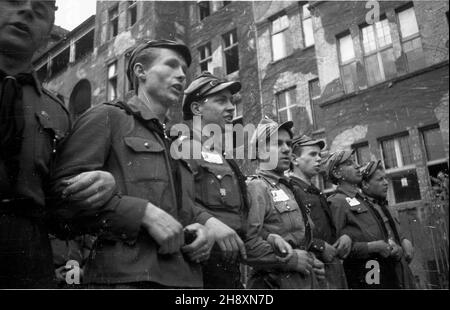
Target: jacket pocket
column 145, row 160
column 218, row 186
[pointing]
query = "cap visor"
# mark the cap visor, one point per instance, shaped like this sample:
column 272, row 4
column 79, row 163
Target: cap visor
column 233, row 87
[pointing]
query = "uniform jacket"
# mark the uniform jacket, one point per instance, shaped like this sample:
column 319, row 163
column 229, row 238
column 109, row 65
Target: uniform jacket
column 356, row 217
column 26, row 259
column 271, row 212
column 324, row 229
column 108, row 138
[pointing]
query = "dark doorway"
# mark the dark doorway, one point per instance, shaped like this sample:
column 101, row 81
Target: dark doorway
column 80, row 99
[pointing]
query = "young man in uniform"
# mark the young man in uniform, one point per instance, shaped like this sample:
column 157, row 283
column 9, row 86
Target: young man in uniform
column 374, row 187
column 326, row 245
column 274, row 213
column 219, row 184
column 140, row 230
column 32, row 123
column 355, row 218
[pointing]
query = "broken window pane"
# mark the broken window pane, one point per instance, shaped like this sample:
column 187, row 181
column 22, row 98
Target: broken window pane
column 406, row 151
column 374, row 75
column 205, row 57
column 279, row 46
column 388, row 59
column 414, row 54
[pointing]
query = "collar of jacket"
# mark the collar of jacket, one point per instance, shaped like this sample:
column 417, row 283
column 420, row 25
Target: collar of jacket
column 271, row 176
column 350, row 191
column 374, row 200
column 138, row 106
column 301, row 182
column 36, row 83
column 196, row 135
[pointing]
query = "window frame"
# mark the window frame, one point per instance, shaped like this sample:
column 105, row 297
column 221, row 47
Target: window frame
column 199, row 6
column 288, row 107
column 208, row 58
column 303, row 19
column 346, row 63
column 115, row 77
column 113, row 18
column 282, row 31
column 227, row 48
column 410, row 38
column 132, row 5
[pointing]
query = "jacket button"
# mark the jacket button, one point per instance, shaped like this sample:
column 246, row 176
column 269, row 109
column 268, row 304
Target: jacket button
column 146, row 145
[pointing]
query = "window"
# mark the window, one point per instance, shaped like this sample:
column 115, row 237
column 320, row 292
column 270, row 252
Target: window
column 113, row 22
column 205, row 57
column 280, row 38
column 127, row 83
column 399, row 164
column 238, row 107
column 378, row 52
column 60, row 62
column 204, row 9
column 225, row 3
column 411, row 41
column 287, row 105
column 347, row 63
column 231, row 51
column 362, row 153
column 314, row 94
column 84, row 46
column 112, row 81
column 132, row 13
column 434, row 147
column 308, row 34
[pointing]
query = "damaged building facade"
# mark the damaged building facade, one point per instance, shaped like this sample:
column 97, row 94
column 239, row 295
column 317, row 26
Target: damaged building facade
column 377, row 83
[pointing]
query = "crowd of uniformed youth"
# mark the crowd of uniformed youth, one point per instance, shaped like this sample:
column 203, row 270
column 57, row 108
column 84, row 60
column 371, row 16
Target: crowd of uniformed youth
column 112, row 196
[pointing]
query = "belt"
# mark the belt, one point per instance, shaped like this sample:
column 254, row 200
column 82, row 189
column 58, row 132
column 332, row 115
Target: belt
column 21, row 207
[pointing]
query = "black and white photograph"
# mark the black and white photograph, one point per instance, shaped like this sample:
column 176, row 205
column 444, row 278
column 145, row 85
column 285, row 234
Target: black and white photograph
column 224, row 150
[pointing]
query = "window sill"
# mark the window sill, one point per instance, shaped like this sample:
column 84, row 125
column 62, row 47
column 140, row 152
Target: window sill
column 308, row 48
column 400, row 169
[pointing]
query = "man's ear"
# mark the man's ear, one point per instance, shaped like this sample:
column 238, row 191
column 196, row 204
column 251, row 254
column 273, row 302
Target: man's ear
column 294, row 159
column 196, row 108
column 337, row 173
column 364, row 185
column 139, row 71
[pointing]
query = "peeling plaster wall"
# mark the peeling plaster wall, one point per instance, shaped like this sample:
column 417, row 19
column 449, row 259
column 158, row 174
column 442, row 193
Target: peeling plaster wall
column 295, row 70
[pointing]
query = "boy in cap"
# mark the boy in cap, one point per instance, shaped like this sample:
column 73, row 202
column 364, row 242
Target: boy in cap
column 219, row 184
column 354, row 217
column 325, row 244
column 32, row 123
column 277, row 224
column 374, row 186
column 141, row 228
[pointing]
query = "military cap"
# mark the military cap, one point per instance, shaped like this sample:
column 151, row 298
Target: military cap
column 266, row 128
column 369, row 169
column 162, row 43
column 204, row 85
column 335, row 159
column 304, row 140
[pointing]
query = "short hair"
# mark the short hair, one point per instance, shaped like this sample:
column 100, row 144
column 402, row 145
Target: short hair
column 146, row 57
